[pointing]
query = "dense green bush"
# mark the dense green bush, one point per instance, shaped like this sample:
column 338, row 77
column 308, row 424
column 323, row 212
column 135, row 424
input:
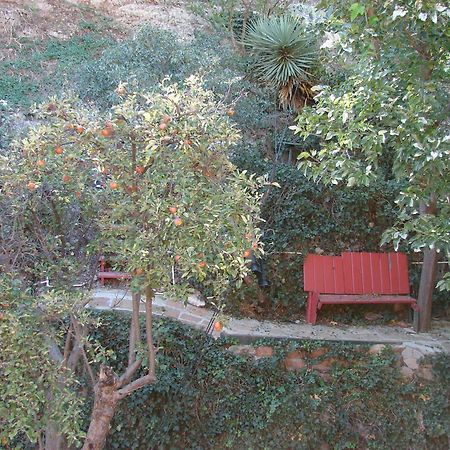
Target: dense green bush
column 207, row 398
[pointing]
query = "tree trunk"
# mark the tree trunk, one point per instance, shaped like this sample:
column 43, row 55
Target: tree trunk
column 105, row 405
column 53, row 439
column 422, row 318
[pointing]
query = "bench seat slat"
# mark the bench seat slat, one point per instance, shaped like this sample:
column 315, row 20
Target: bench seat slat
column 113, row 275
column 364, row 298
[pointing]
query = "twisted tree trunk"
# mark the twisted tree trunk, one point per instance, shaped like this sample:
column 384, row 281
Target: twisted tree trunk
column 105, row 405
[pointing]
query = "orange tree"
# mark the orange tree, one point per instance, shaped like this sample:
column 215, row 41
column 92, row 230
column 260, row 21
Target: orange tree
column 153, row 184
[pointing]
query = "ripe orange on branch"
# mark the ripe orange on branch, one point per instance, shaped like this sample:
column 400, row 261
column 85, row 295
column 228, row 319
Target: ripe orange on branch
column 107, row 131
column 173, row 209
column 41, row 163
column 139, row 170
column 218, row 326
column 59, row 150
column 113, row 185
column 31, row 186
column 178, row 221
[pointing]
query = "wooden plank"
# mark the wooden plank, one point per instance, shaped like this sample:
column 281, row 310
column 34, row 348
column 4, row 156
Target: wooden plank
column 403, row 279
column 394, row 272
column 366, row 273
column 352, row 273
column 113, row 275
column 364, row 298
column 375, row 268
column 384, row 274
column 328, row 274
column 339, row 283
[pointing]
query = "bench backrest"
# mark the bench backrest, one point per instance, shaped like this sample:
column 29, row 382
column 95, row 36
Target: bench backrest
column 357, row 273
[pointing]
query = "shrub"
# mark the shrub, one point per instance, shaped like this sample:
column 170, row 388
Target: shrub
column 210, row 398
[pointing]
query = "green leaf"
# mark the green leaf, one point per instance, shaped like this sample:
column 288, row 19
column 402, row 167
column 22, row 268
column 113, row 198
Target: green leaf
column 356, row 9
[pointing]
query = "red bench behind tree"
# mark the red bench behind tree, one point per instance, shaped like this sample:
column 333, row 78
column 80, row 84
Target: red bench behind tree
column 355, row 278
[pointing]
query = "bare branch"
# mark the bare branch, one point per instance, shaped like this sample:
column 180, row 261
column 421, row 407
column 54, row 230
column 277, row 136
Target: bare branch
column 135, row 332
column 149, row 294
column 135, row 385
column 125, row 378
column 79, row 343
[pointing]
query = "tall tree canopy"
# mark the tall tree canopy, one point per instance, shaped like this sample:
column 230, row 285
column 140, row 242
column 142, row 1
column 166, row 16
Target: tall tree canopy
column 388, row 116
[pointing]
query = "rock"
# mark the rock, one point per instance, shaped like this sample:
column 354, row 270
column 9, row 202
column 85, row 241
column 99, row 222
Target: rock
column 411, row 357
column 325, row 365
column 242, row 350
column 412, row 363
column 318, row 352
column 426, row 373
column 294, row 363
column 264, row 351
column 373, row 316
column 296, row 354
column 196, row 300
column 407, row 373
column 376, row 349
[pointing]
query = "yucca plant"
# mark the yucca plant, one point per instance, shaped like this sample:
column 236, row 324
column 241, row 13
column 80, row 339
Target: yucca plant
column 283, row 56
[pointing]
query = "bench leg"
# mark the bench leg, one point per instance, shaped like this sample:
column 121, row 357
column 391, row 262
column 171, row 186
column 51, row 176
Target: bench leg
column 311, row 308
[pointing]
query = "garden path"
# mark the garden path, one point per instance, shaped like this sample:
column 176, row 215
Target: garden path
column 247, row 330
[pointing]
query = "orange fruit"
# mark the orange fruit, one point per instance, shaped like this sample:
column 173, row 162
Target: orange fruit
column 113, row 185
column 59, row 150
column 202, row 264
column 162, row 126
column 230, row 112
column 218, row 326
column 41, row 163
column 31, row 186
column 79, row 129
column 139, row 170
column 247, row 253
column 77, row 194
column 66, row 178
column 139, row 271
column 187, row 142
column 173, row 209
column 107, row 131
column 255, row 245
column 178, row 221
column 177, row 258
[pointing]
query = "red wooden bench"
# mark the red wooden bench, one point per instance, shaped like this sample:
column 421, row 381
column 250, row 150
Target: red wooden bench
column 106, row 273
column 355, row 278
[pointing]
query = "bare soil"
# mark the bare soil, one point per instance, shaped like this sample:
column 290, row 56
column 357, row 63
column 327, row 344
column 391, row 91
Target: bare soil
column 41, row 19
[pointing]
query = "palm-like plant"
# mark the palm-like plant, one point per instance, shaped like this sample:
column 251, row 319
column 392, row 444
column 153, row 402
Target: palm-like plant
column 283, row 56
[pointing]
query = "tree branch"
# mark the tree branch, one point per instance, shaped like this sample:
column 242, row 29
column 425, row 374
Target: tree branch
column 135, row 385
column 125, row 378
column 135, row 332
column 149, row 294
